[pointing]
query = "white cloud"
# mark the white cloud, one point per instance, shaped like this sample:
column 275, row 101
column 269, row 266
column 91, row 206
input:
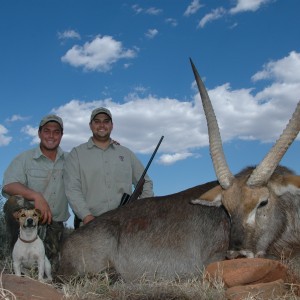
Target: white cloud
column 153, row 11
column 151, row 33
column 15, row 118
column 214, row 15
column 241, row 6
column 169, row 159
column 140, row 89
column 32, row 132
column 241, row 114
column 192, row 8
column 137, row 9
column 172, row 22
column 97, row 55
column 247, row 5
column 285, row 69
column 69, row 34
column 149, row 11
column 4, row 138
column 126, row 66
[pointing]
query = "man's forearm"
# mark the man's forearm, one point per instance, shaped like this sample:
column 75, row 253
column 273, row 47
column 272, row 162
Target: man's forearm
column 17, row 188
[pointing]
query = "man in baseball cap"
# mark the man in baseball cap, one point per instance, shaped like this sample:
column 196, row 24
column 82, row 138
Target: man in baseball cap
column 98, row 172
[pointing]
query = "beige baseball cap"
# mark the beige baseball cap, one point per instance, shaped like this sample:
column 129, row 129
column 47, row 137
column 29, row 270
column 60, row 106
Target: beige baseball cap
column 52, row 118
column 100, row 110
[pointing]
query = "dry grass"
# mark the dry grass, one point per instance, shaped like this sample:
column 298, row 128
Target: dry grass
column 103, row 287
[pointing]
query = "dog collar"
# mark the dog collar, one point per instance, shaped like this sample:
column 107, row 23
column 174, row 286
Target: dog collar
column 30, row 241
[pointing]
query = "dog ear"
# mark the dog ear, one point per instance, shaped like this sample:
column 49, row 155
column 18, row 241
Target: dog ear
column 17, row 214
column 39, row 214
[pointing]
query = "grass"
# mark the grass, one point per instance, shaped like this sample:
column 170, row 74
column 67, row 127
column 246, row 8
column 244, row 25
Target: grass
column 101, row 286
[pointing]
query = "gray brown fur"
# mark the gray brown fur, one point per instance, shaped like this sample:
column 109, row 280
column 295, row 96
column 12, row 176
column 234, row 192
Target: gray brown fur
column 160, row 237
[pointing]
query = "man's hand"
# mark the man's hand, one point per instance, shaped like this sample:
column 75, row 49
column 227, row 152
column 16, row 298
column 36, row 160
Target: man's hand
column 41, row 204
column 88, row 219
column 17, row 188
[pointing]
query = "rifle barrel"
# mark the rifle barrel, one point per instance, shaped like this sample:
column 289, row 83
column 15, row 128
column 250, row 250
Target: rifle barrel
column 150, row 160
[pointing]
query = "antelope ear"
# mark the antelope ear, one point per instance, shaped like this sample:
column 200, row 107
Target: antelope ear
column 213, row 197
column 289, row 183
column 293, row 180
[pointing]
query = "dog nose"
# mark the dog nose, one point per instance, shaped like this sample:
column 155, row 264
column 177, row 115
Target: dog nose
column 29, row 222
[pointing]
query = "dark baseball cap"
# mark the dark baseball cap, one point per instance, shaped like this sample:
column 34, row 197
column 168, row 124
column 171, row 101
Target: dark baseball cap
column 100, row 110
column 52, row 118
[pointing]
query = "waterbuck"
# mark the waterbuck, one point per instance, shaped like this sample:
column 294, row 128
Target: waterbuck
column 254, row 213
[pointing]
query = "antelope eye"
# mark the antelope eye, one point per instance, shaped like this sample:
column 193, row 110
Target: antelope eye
column 263, row 203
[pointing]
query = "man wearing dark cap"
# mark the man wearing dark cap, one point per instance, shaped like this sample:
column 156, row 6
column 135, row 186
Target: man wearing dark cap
column 98, row 172
column 37, row 176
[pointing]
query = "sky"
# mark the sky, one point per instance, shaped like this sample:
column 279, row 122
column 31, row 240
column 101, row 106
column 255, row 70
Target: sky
column 70, row 56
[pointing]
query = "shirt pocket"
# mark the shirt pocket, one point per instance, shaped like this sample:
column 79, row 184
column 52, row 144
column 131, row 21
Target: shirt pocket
column 38, row 179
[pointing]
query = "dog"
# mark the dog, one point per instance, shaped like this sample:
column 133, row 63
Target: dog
column 29, row 249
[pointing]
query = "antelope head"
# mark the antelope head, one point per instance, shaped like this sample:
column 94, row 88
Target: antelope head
column 251, row 197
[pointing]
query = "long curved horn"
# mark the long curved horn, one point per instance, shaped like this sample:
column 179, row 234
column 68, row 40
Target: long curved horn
column 222, row 171
column 262, row 173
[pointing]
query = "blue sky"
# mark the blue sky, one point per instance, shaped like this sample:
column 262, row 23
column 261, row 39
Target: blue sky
column 68, row 57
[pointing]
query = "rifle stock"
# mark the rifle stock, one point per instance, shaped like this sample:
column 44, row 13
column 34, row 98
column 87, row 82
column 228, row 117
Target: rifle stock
column 134, row 196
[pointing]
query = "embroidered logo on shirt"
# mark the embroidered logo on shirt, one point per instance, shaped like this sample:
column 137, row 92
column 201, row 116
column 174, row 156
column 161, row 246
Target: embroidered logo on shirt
column 121, row 158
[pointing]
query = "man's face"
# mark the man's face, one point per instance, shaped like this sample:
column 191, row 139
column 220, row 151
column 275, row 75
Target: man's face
column 50, row 135
column 101, row 126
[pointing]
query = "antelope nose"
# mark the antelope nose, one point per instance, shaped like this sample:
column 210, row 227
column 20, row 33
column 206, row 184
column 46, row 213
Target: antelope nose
column 235, row 244
column 236, row 235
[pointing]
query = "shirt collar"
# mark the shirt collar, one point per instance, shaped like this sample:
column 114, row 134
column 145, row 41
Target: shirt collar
column 91, row 144
column 38, row 153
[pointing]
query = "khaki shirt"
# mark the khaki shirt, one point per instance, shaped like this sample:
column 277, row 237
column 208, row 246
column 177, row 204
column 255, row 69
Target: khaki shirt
column 95, row 179
column 34, row 170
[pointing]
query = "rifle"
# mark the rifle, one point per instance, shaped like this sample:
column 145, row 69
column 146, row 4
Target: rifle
column 139, row 187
